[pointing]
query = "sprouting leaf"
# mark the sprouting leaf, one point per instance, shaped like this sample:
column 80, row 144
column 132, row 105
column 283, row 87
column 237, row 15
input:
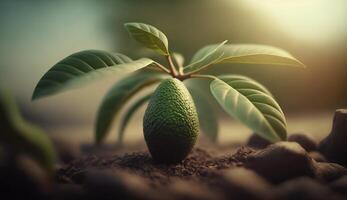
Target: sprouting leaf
column 84, row 67
column 257, row 54
column 179, row 61
column 149, row 36
column 256, row 109
column 22, row 136
column 129, row 113
column 179, row 58
column 205, row 57
column 117, row 97
column 207, row 116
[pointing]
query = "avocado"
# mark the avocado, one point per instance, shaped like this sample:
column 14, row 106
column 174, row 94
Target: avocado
column 170, row 124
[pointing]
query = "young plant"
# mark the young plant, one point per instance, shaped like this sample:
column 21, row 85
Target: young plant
column 171, row 121
column 22, row 137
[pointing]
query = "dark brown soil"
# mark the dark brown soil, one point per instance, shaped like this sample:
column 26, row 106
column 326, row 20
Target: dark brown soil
column 284, row 170
column 296, row 169
column 199, row 166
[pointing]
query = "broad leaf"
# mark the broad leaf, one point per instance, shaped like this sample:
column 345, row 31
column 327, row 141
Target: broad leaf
column 22, row 136
column 205, row 57
column 257, row 54
column 256, row 109
column 239, row 81
column 207, row 116
column 117, row 97
column 84, row 67
column 149, row 36
column 129, row 113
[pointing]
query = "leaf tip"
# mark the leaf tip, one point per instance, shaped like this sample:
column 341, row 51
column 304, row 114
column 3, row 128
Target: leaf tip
column 38, row 95
column 34, row 97
column 128, row 24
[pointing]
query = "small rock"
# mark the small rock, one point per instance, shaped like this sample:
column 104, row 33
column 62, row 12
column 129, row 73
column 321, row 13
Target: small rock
column 340, row 185
column 281, row 161
column 188, row 190
column 318, row 157
column 257, row 142
column 305, row 188
column 329, row 171
column 306, row 141
column 107, row 184
column 334, row 146
column 242, row 183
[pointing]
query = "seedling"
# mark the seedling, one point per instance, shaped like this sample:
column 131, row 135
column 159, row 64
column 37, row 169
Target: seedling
column 171, row 121
column 22, row 137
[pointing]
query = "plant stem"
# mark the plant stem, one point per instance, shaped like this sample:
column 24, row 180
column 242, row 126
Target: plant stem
column 171, row 65
column 162, row 67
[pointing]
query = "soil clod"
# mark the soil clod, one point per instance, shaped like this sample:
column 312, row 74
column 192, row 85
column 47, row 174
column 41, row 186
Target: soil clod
column 334, row 146
column 255, row 141
column 317, row 156
column 329, row 171
column 305, row 140
column 281, row 161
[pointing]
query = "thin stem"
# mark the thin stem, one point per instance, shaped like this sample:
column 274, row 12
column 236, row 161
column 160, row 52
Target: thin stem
column 171, row 65
column 203, row 76
column 162, row 67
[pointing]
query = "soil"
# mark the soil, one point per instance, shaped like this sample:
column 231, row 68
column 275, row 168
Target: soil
column 200, row 165
column 299, row 168
column 209, row 172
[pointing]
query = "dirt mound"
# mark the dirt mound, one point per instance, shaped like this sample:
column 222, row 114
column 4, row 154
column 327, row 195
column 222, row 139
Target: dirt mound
column 198, row 165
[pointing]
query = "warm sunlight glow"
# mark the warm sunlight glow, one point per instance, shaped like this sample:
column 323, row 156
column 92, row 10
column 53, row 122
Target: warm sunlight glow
column 310, row 20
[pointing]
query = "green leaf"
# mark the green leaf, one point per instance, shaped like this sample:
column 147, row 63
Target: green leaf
column 207, row 116
column 130, row 112
column 240, row 81
column 117, row 97
column 179, row 61
column 205, row 57
column 257, row 54
column 256, row 109
column 22, row 136
column 84, row 67
column 149, row 36
column 179, row 58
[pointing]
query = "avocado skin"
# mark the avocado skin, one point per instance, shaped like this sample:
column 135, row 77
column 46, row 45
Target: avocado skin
column 170, row 124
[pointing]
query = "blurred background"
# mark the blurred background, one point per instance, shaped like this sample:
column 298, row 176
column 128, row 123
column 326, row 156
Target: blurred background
column 36, row 34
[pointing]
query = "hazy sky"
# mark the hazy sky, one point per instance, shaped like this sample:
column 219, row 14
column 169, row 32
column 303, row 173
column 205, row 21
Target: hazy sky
column 317, row 21
column 34, row 35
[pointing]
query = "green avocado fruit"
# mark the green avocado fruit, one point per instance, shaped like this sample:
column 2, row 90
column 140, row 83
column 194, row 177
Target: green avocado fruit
column 170, row 124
